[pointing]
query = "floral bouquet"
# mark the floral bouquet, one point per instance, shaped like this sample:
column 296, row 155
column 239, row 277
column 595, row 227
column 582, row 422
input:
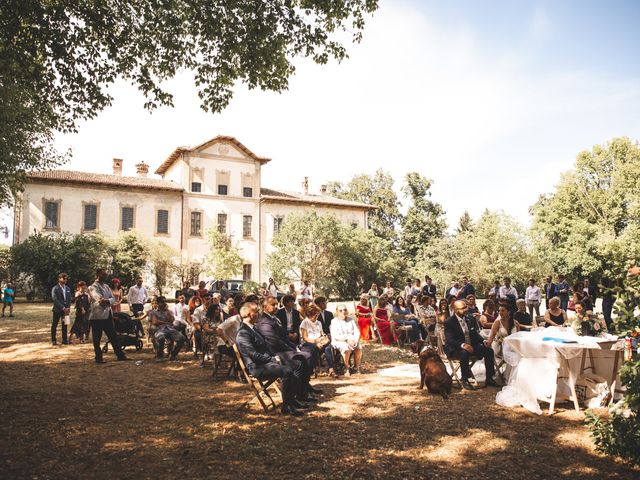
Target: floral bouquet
column 588, row 324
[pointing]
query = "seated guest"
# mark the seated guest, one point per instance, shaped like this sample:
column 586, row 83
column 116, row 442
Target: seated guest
column 402, row 316
column 279, row 342
column 228, row 329
column 442, row 315
column 201, row 289
column 363, row 312
column 524, row 320
column 229, row 309
column 473, row 307
column 381, row 317
column 555, row 316
column 345, row 336
column 487, row 318
column 182, row 321
column 262, row 364
column 426, row 314
column 462, row 341
column 162, row 319
column 210, row 327
column 325, row 317
column 289, row 318
column 313, row 336
column 504, row 326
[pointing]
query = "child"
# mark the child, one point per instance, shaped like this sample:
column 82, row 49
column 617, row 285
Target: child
column 8, row 299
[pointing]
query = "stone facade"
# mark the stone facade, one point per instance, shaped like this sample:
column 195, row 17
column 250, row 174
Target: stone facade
column 214, row 185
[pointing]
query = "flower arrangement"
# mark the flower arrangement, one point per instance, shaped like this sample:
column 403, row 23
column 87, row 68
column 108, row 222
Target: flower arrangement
column 588, row 324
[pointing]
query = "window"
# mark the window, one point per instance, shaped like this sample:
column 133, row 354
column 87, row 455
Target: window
column 247, row 185
column 354, row 224
column 247, row 192
column 246, row 226
column 90, row 217
column 222, row 223
column 162, row 225
column 277, row 224
column 126, row 221
column 196, row 224
column 197, row 174
column 51, row 211
column 222, row 181
column 246, row 272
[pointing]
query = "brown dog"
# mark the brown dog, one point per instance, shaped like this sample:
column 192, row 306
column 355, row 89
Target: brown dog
column 433, row 371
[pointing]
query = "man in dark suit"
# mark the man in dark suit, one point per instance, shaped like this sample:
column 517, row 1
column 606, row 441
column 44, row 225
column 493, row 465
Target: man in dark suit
column 325, row 317
column 549, row 290
column 275, row 334
column 263, row 364
column 467, row 289
column 429, row 288
column 463, row 341
column 61, row 295
column 289, row 318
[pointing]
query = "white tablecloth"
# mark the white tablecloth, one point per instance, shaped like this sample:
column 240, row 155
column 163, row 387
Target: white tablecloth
column 534, row 365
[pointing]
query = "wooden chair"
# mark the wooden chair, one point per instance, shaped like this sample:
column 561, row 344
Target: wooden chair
column 259, row 388
column 374, row 324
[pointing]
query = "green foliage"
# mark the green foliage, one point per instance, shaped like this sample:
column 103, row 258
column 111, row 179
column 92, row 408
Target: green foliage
column 164, row 265
column 376, row 190
column 338, row 259
column 424, row 221
column 619, row 434
column 591, row 224
column 497, row 246
column 130, row 254
column 465, row 224
column 7, row 270
column 58, row 59
column 43, row 257
column 224, row 259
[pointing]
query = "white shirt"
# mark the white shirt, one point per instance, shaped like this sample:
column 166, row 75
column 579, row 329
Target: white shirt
column 137, row 295
column 407, row 291
column 198, row 315
column 273, row 291
column 314, row 329
column 230, row 328
column 180, row 314
column 306, row 292
column 465, row 329
column 533, row 294
column 504, row 291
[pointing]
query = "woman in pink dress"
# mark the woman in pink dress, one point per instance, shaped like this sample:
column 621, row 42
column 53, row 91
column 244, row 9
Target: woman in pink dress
column 381, row 316
column 364, row 318
column 116, row 290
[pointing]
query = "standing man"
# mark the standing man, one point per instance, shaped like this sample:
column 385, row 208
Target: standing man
column 272, row 288
column 429, row 288
column 507, row 290
column 467, row 289
column 137, row 296
column 61, row 295
column 101, row 316
column 408, row 288
column 533, row 297
column 562, row 291
column 549, row 291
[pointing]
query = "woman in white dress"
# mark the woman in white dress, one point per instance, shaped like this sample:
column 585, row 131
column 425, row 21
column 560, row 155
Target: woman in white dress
column 312, row 334
column 345, row 336
column 504, row 326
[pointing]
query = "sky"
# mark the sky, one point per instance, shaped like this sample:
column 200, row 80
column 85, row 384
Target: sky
column 491, row 100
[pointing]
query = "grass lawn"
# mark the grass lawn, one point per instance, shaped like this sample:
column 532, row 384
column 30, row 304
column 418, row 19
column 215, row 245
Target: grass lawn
column 65, row 417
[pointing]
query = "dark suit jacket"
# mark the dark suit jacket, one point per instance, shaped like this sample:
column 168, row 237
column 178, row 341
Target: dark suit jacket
column 59, row 300
column 454, row 336
column 254, row 349
column 295, row 316
column 275, row 334
column 429, row 290
column 326, row 321
column 549, row 290
column 467, row 290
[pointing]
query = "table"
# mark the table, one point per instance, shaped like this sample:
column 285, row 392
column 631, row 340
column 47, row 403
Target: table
column 540, row 369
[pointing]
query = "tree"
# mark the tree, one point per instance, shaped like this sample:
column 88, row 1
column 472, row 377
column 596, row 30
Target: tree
column 223, row 260
column 424, row 221
column 58, row 59
column 130, row 254
column 591, row 223
column 43, row 257
column 164, row 264
column 465, row 224
column 619, row 434
column 376, row 190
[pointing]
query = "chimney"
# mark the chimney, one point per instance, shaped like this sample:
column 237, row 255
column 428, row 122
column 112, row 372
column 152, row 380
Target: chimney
column 117, row 166
column 305, row 186
column 323, row 189
column 142, row 169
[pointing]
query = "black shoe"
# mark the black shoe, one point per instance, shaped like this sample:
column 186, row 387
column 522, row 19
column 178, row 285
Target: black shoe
column 290, row 410
column 317, row 391
column 491, row 383
column 64, row 342
column 300, row 405
column 467, row 386
column 54, row 343
column 173, row 358
column 123, row 358
column 310, row 399
column 100, row 360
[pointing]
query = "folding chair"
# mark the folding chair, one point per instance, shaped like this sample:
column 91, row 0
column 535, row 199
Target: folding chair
column 260, row 388
column 454, row 363
column 374, row 323
column 401, row 333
